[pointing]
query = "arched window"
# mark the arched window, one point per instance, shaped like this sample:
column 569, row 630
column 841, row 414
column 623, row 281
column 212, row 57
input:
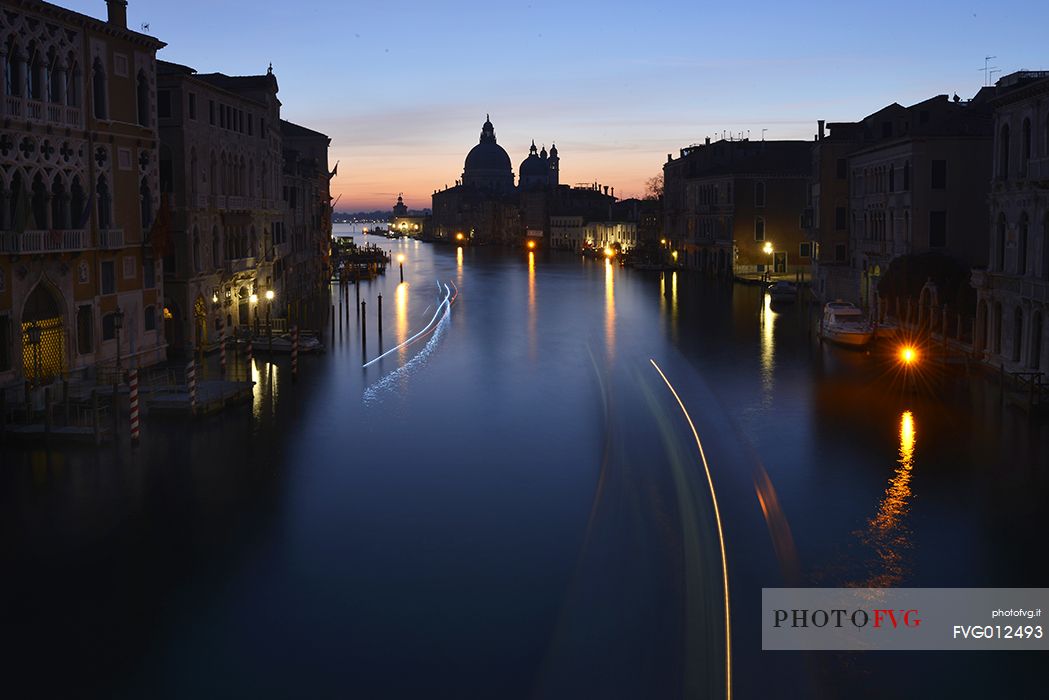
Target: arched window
column 759, row 194
column 892, row 178
column 216, row 247
column 77, row 205
column 98, row 89
column 146, row 202
column 34, row 78
column 1021, row 247
column 998, row 327
column 1034, row 357
column 72, row 81
column 39, row 203
column 104, row 205
column 11, row 63
column 999, row 259
column 1045, row 246
column 143, row 99
column 193, row 170
column 213, row 174
column 167, row 171
column 59, row 205
column 196, row 249
column 1003, row 153
column 759, row 228
column 252, row 243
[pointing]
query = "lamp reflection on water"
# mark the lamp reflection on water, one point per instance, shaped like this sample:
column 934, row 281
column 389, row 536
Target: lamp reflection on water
column 610, row 308
column 768, row 350
column 401, row 309
column 886, row 532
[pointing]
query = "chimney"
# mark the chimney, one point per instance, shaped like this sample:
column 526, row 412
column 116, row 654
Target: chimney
column 117, row 13
column 821, row 122
column 707, row 141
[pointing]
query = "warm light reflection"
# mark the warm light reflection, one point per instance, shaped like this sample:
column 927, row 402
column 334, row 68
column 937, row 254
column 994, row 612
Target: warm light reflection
column 908, row 355
column 674, row 255
column 401, row 311
column 400, row 258
column 610, row 308
column 673, row 295
column 256, row 389
column 886, row 531
column 609, row 252
column 768, row 348
column 459, row 265
column 531, row 306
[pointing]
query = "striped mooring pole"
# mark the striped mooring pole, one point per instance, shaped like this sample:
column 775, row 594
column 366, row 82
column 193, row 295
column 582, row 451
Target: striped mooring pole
column 222, row 353
column 191, row 383
column 249, row 350
column 294, row 353
column 133, row 403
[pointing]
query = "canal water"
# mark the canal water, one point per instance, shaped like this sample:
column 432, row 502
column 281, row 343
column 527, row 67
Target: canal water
column 501, row 497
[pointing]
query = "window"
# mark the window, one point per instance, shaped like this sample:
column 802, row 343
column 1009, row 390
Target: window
column 120, row 64
column 222, row 116
column 1021, row 246
column 211, row 112
column 907, row 176
column 843, row 168
column 109, row 327
column 85, row 322
column 1000, row 243
column 892, row 178
column 108, row 277
column 150, row 321
column 886, row 130
column 805, row 249
column 759, row 229
column 98, row 89
column 5, row 343
column 104, row 204
column 839, row 252
column 839, row 218
column 250, row 124
column 129, row 267
column 164, row 104
column 1025, row 146
column 939, row 175
column 937, row 229
column 143, row 100
column 759, row 194
column 192, row 105
column 149, row 274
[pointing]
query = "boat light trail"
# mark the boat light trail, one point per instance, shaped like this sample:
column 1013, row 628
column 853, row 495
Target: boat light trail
column 721, row 533
column 445, row 304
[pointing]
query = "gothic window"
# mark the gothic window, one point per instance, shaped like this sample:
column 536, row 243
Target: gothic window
column 98, row 89
column 146, row 200
column 196, row 249
column 1025, row 145
column 216, row 247
column 1021, row 246
column 59, row 204
column 759, row 229
column 104, row 205
column 907, row 176
column 77, row 206
column 1000, row 243
column 39, row 203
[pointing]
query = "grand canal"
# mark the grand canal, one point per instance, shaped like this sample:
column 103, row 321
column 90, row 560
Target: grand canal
column 514, row 505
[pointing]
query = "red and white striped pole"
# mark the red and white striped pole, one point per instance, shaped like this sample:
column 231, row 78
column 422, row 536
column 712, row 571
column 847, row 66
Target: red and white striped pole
column 191, row 382
column 222, row 353
column 250, row 335
column 133, row 401
column 294, row 353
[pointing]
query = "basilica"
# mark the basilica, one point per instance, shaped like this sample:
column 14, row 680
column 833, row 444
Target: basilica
column 487, row 206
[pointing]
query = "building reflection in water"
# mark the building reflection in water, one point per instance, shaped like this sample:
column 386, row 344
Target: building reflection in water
column 768, row 350
column 401, row 309
column 610, row 309
column 256, row 389
column 887, row 531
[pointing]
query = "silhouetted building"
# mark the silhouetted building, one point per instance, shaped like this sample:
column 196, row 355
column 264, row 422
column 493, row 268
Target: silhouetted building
column 1013, row 290
column 79, row 194
column 301, row 248
column 221, row 149
column 734, row 207
column 918, row 184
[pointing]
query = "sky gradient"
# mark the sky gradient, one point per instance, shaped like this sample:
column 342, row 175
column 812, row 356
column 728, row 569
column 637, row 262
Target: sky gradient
column 403, row 88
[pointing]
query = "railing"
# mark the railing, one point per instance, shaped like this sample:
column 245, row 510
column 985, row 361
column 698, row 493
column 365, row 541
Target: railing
column 110, row 238
column 44, row 241
column 35, row 110
column 73, row 116
column 13, row 106
column 201, row 201
column 241, row 264
column 54, row 113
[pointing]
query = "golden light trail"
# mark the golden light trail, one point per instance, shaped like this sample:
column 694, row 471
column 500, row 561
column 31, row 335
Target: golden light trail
column 768, row 354
column 459, row 264
column 401, row 306
column 531, row 305
column 721, row 533
column 610, row 308
column 673, row 295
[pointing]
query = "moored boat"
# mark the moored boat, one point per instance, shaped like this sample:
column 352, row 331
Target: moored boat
column 845, row 324
column 783, row 292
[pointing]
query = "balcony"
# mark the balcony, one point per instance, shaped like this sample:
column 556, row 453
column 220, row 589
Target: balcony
column 44, row 241
column 1026, row 287
column 111, row 238
column 200, row 201
column 241, row 264
column 41, row 112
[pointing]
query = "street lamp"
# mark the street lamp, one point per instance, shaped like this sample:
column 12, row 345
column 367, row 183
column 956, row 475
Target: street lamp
column 269, row 326
column 400, row 261
column 768, row 251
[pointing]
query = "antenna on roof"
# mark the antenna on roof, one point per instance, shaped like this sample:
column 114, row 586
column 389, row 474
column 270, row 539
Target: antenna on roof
column 988, row 69
column 145, row 27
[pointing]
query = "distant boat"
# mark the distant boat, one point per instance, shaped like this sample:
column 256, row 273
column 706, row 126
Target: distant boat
column 783, row 292
column 845, row 324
